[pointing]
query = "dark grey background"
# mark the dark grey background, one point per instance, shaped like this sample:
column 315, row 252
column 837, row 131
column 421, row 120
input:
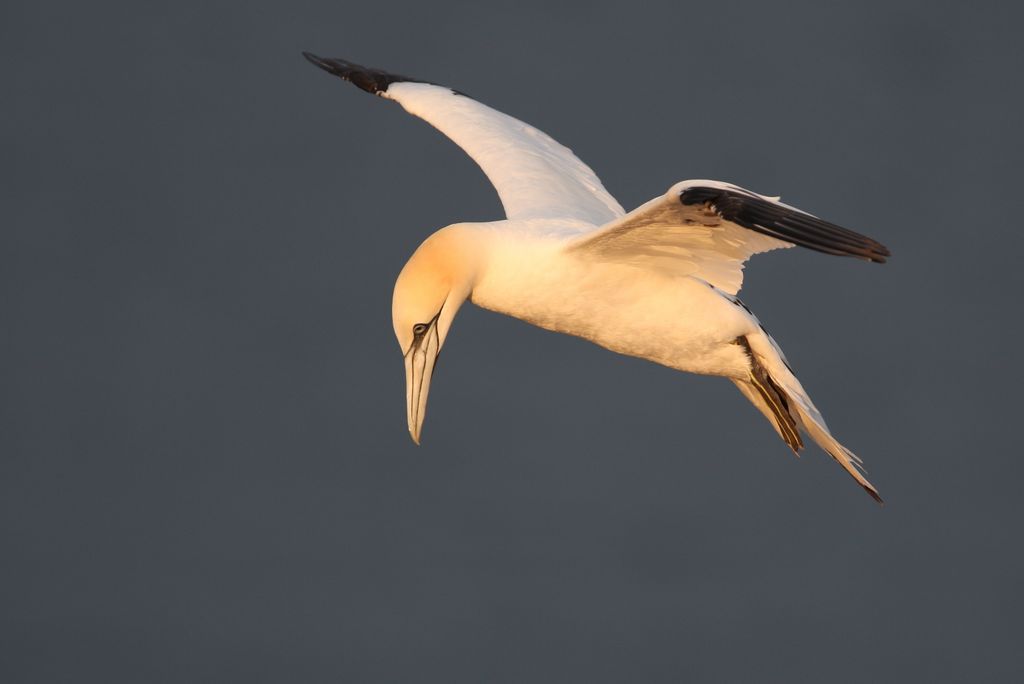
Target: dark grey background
column 205, row 471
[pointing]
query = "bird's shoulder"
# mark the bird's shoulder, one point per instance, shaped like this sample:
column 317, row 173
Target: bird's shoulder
column 546, row 230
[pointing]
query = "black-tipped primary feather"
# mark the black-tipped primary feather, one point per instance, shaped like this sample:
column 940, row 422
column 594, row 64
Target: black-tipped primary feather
column 784, row 223
column 375, row 81
column 371, row 80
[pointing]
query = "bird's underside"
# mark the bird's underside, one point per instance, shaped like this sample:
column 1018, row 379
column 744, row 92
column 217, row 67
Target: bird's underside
column 658, row 282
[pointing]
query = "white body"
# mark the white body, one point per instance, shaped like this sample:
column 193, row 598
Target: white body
column 677, row 321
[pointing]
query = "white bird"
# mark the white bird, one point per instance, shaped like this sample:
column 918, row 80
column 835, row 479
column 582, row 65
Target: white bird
column 659, row 282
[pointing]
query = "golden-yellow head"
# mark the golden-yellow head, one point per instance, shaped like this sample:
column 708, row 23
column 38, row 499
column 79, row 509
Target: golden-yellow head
column 432, row 286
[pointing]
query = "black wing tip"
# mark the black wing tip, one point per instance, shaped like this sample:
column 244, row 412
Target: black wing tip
column 338, row 67
column 314, row 59
column 790, row 225
column 876, row 253
column 879, row 253
column 374, row 81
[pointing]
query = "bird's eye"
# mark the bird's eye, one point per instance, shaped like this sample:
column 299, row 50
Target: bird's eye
column 419, row 328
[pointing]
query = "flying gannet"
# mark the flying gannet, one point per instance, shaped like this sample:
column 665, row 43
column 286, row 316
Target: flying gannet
column 659, row 282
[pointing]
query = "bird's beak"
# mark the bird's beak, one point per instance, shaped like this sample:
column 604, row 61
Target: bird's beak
column 419, row 368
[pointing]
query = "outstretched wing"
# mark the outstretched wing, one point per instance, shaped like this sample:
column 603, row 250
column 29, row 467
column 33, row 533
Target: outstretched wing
column 536, row 178
column 709, row 229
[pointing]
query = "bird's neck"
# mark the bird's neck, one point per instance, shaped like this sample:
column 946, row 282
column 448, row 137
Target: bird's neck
column 519, row 272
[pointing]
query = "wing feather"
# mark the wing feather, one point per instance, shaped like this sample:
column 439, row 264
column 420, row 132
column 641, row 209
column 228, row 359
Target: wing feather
column 709, row 229
column 535, row 176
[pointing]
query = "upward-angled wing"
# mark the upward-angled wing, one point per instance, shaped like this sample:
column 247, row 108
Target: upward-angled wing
column 709, row 229
column 535, row 177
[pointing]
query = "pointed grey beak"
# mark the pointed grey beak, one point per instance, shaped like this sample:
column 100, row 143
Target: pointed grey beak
column 419, row 368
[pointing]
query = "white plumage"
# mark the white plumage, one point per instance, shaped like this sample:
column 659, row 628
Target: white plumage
column 659, row 282
column 536, row 178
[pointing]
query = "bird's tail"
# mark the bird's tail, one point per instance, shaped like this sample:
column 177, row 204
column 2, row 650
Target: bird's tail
column 772, row 387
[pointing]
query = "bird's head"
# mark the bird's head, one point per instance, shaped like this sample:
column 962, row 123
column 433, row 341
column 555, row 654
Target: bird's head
column 428, row 293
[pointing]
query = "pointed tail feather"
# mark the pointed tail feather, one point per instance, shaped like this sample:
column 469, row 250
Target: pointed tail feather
column 772, row 383
column 769, row 399
column 757, row 399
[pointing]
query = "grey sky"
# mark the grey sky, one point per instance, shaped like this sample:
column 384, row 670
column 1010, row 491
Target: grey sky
column 205, row 471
